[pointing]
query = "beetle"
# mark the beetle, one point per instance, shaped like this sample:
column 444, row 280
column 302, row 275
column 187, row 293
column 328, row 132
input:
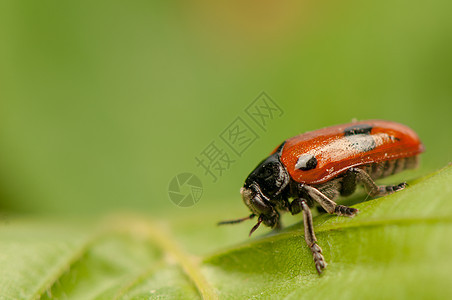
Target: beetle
column 317, row 167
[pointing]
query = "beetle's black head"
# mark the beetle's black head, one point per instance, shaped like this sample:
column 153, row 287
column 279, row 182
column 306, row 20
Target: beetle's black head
column 266, row 183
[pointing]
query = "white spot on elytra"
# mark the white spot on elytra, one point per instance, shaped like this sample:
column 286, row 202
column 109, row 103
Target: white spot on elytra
column 306, row 162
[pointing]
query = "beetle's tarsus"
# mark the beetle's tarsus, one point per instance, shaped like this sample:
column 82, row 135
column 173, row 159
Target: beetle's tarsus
column 319, row 260
column 389, row 189
column 342, row 210
column 400, row 186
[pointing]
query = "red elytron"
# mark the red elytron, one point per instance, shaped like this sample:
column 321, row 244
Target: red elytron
column 340, row 147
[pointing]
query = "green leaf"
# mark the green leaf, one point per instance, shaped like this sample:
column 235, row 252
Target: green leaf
column 397, row 247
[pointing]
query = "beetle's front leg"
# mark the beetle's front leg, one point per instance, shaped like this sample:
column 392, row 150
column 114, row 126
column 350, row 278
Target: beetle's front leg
column 296, row 206
column 329, row 205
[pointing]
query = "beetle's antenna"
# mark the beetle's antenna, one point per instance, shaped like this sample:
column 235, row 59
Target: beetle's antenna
column 237, row 221
column 259, row 221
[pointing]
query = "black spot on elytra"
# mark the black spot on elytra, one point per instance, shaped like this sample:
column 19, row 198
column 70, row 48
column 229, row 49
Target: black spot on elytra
column 306, row 162
column 358, row 129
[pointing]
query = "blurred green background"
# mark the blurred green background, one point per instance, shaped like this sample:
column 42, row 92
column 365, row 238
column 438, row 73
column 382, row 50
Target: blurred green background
column 103, row 103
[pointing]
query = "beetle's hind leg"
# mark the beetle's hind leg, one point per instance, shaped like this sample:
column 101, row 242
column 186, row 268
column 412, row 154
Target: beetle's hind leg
column 296, row 206
column 372, row 188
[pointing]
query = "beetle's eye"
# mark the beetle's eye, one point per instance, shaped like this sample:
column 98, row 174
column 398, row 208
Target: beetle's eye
column 267, row 170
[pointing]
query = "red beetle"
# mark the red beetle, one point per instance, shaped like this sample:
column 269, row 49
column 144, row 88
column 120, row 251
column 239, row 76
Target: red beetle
column 321, row 165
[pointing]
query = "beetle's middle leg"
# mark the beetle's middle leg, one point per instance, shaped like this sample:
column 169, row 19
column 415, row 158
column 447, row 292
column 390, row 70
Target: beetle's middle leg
column 295, row 207
column 329, row 205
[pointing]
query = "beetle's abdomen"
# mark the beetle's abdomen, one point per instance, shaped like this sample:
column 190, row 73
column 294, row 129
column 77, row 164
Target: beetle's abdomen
column 391, row 167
